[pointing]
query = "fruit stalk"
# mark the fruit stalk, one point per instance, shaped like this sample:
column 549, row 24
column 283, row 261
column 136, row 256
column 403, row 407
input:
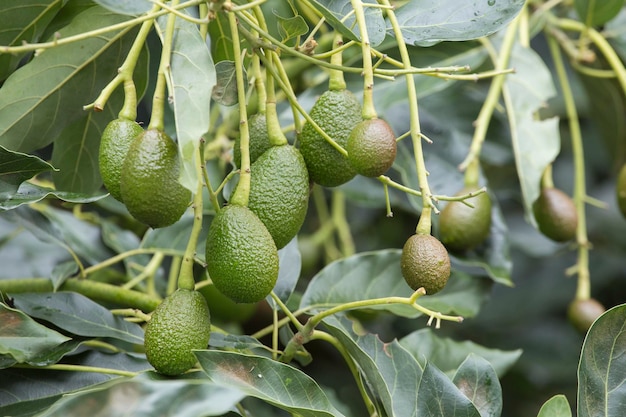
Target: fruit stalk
column 369, row 110
column 337, row 81
column 583, row 289
column 274, row 132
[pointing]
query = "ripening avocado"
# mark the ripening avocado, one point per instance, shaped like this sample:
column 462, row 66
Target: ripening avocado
column 425, row 263
column 582, row 313
column 462, row 227
column 372, row 147
column 556, row 215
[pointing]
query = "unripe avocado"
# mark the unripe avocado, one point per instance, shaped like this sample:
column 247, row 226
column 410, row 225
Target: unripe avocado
column 279, row 192
column 179, row 324
column 149, row 182
column 372, row 147
column 462, row 227
column 336, row 112
column 114, row 144
column 556, row 214
column 425, row 263
column 259, row 139
column 582, row 313
column 241, row 256
column 621, row 190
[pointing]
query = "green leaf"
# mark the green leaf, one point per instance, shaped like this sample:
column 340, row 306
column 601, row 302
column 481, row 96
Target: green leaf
column 18, row 392
column 340, row 15
column 602, row 368
column 23, row 21
column 448, row 354
column 176, row 236
column 233, row 341
column 191, row 79
column 556, row 406
column 479, row 382
column 30, row 193
column 24, row 339
column 289, row 266
column 61, row 272
column 221, row 42
column 404, row 387
column 79, row 315
column 274, row 382
column 597, row 12
column 291, row 27
column 426, row 22
column 129, row 7
column 536, row 143
column 143, row 397
column 17, row 167
column 225, row 89
column 377, row 274
column 55, row 85
column 45, row 357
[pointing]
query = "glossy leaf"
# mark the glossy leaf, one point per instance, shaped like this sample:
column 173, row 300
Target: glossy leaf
column 129, row 7
column 30, row 193
column 479, row 382
column 277, row 383
column 602, row 368
column 23, row 21
column 597, row 12
column 536, row 143
column 143, row 397
column 22, row 338
column 17, row 167
column 405, row 387
column 58, row 82
column 556, row 406
column 336, row 12
column 425, row 22
column 79, row 315
column 448, row 354
column 289, row 265
column 377, row 274
column 17, row 391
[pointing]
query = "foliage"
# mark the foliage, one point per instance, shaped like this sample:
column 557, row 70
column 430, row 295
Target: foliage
column 507, row 97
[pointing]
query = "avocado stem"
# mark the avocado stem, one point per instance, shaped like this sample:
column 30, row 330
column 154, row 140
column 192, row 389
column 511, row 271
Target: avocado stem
column 259, row 83
column 337, row 81
column 274, row 132
column 369, row 110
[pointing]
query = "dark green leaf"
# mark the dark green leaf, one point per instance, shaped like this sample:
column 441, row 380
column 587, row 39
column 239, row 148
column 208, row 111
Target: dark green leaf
column 61, row 272
column 556, row 406
column 277, row 383
column 602, row 369
column 17, row 167
column 129, row 7
column 447, row 354
column 31, row 193
column 79, row 315
column 23, row 21
column 233, row 341
column 426, row 22
column 405, row 388
column 46, row 357
column 377, row 274
column 143, row 397
column 225, row 90
column 59, row 81
column 291, row 27
column 289, row 265
column 336, row 13
column 597, row 12
column 221, row 42
column 479, row 382
column 24, row 339
column 176, row 236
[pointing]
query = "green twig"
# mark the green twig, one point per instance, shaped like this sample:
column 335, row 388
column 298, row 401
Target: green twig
column 369, row 110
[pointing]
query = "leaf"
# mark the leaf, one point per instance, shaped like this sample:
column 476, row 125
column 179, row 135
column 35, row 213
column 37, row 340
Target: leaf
column 597, row 12
column 17, row 167
column 277, row 383
column 448, row 354
column 143, row 397
column 536, row 143
column 403, row 386
column 176, row 236
column 45, row 357
column 79, row 315
column 30, row 193
column 55, row 85
column 426, row 22
column 556, row 406
column 24, row 339
column 340, row 15
column 18, row 392
column 479, row 382
column 23, row 21
column 129, row 7
column 221, row 41
column 233, row 341
column 191, row 78
column 225, row 89
column 377, row 274
column 291, row 27
column 61, row 272
column 602, row 368
column 289, row 266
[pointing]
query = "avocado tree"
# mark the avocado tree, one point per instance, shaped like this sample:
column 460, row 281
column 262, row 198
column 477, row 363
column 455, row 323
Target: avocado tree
column 312, row 208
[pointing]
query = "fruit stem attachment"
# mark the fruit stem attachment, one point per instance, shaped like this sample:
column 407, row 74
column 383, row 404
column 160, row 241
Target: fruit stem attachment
column 274, row 132
column 337, row 82
column 185, row 277
column 583, row 289
column 259, row 83
column 242, row 192
column 369, row 111
column 160, row 93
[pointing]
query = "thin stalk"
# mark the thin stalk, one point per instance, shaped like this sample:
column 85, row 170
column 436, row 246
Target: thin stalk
column 369, row 110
